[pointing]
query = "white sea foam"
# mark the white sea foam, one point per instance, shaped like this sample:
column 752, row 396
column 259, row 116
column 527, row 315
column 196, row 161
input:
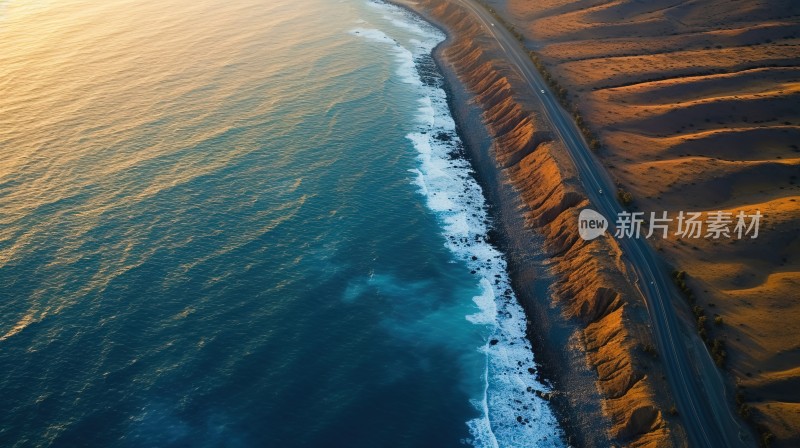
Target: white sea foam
column 512, row 414
column 405, row 59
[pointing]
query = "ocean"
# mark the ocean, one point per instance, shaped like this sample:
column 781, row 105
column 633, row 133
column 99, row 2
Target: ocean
column 246, row 223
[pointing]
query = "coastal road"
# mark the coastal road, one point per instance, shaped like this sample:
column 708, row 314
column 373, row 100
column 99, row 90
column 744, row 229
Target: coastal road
column 697, row 385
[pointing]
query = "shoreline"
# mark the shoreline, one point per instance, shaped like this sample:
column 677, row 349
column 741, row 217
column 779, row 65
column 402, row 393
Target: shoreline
column 523, row 249
column 515, row 397
column 525, row 267
column 588, row 327
column 530, row 285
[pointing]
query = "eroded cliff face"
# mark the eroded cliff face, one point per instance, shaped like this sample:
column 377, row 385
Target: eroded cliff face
column 695, row 107
column 590, row 285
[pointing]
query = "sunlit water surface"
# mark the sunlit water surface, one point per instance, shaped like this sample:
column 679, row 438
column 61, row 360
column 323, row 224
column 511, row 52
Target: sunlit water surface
column 245, row 223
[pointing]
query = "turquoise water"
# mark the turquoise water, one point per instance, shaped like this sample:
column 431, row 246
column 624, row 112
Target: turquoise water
column 245, row 224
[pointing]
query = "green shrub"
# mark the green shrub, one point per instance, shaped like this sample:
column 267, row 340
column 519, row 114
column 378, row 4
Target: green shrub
column 718, row 352
column 625, row 197
column 744, row 410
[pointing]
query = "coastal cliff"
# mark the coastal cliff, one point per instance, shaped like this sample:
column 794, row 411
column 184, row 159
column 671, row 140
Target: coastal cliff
column 588, row 286
column 693, row 106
